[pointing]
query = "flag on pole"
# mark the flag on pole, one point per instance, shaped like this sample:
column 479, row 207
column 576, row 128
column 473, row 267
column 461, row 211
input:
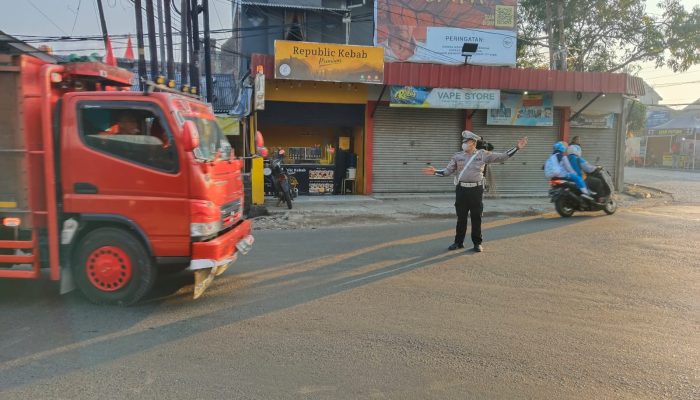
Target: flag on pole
column 109, row 57
column 129, row 52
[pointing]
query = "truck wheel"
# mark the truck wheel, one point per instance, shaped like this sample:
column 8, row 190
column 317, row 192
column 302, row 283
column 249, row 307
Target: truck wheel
column 111, row 266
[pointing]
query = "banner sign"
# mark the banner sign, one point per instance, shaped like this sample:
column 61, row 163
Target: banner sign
column 604, row 121
column 495, row 47
column 423, row 97
column 523, row 110
column 656, row 118
column 434, row 31
column 328, row 62
column 259, row 91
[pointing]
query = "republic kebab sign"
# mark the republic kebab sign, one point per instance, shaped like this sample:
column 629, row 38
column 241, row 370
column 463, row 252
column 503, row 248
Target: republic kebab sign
column 309, row 61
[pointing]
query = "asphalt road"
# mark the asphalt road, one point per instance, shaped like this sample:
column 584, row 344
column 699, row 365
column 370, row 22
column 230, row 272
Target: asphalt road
column 684, row 185
column 593, row 306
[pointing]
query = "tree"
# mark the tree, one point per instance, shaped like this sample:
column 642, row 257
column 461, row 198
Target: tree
column 607, row 35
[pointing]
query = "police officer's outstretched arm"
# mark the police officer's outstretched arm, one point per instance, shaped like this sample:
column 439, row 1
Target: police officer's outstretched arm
column 432, row 171
column 492, row 157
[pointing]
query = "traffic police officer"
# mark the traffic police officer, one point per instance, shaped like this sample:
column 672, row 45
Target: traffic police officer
column 469, row 182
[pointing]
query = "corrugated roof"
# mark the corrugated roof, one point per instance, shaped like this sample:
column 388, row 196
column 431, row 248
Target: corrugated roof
column 486, row 77
column 298, row 4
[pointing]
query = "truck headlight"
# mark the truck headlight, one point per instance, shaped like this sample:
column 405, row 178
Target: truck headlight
column 202, row 229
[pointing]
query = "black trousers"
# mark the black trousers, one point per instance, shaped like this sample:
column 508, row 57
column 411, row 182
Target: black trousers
column 469, row 201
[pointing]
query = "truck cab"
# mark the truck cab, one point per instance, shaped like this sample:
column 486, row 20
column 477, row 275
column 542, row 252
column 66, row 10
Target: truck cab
column 125, row 184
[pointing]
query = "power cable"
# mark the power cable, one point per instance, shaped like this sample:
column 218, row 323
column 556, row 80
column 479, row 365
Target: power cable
column 46, row 16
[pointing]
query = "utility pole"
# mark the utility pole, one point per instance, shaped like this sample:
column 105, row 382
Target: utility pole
column 152, row 46
column 184, row 15
column 170, row 66
column 194, row 14
column 550, row 35
column 103, row 24
column 139, row 43
column 159, row 8
column 207, row 53
column 562, row 37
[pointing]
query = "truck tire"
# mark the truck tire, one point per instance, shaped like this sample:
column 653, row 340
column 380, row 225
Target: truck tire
column 112, row 266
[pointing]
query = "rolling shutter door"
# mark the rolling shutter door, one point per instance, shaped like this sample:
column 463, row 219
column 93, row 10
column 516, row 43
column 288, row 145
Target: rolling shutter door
column 522, row 175
column 407, row 140
column 598, row 143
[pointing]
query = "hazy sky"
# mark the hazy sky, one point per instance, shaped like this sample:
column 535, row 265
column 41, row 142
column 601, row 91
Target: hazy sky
column 79, row 17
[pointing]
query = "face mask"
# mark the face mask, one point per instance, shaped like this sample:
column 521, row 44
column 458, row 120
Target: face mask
column 465, row 146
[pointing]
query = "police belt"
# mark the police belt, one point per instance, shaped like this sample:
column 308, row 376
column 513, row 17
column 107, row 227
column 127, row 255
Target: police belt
column 470, row 184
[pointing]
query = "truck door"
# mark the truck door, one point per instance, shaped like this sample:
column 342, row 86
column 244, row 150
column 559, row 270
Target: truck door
column 120, row 164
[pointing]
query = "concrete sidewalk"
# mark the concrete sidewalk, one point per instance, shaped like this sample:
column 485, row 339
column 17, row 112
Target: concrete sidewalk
column 320, row 211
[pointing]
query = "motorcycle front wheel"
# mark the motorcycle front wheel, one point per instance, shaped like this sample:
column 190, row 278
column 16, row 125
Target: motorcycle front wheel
column 610, row 206
column 563, row 207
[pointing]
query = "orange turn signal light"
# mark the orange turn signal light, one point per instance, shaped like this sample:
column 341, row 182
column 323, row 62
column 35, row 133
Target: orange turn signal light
column 11, row 222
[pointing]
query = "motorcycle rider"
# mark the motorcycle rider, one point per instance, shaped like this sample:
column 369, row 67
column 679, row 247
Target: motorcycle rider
column 580, row 165
column 558, row 166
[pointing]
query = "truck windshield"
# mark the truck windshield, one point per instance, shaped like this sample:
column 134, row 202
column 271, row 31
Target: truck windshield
column 212, row 142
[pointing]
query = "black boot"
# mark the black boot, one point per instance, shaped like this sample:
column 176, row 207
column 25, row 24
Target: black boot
column 455, row 246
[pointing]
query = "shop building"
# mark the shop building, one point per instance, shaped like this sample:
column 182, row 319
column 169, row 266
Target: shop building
column 393, row 144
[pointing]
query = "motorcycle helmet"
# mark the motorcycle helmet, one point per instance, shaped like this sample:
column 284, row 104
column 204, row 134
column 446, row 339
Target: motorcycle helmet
column 560, row 147
column 574, row 149
column 280, row 153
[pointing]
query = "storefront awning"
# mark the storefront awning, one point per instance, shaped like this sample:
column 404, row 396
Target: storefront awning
column 486, row 77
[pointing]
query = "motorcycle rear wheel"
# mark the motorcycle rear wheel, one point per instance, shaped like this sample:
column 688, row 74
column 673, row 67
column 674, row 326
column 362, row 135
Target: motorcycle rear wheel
column 563, row 208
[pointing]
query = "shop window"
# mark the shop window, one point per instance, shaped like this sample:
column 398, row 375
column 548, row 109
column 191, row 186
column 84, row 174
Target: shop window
column 294, row 25
column 136, row 135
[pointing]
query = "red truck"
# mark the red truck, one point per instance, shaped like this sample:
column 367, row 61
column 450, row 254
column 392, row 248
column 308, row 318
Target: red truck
column 106, row 187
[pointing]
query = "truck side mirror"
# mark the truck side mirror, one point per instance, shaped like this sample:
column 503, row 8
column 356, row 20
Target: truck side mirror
column 190, row 136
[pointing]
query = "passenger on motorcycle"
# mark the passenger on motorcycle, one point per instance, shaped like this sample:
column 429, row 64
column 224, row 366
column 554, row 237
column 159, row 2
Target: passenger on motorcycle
column 580, row 165
column 558, row 166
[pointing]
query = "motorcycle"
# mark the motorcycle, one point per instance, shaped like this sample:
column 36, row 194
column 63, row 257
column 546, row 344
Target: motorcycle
column 567, row 197
column 279, row 178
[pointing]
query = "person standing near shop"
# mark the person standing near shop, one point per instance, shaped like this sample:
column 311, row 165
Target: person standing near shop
column 468, row 165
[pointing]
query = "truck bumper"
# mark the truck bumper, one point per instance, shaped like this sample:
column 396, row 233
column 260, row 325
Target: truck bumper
column 222, row 250
column 212, row 258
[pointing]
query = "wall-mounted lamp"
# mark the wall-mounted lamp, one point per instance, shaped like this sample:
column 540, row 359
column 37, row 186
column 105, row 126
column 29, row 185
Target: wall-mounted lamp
column 468, row 50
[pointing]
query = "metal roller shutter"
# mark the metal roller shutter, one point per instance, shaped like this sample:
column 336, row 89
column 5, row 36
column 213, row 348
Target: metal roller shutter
column 598, row 143
column 407, row 140
column 522, row 175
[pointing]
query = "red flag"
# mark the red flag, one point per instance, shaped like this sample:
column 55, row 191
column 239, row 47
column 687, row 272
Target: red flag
column 109, row 57
column 129, row 52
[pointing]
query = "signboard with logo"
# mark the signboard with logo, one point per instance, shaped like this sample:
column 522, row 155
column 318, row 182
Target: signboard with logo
column 533, row 109
column 260, row 91
column 657, row 117
column 423, row 97
column 604, row 121
column 434, row 31
column 328, row 62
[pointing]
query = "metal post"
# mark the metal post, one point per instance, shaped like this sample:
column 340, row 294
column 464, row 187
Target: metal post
column 170, row 67
column 103, row 24
column 139, row 43
column 152, row 46
column 207, row 53
column 695, row 145
column 183, row 42
column 159, row 8
column 194, row 14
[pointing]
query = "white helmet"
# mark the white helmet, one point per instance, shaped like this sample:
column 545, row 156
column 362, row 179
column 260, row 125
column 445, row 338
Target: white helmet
column 574, row 149
column 469, row 135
